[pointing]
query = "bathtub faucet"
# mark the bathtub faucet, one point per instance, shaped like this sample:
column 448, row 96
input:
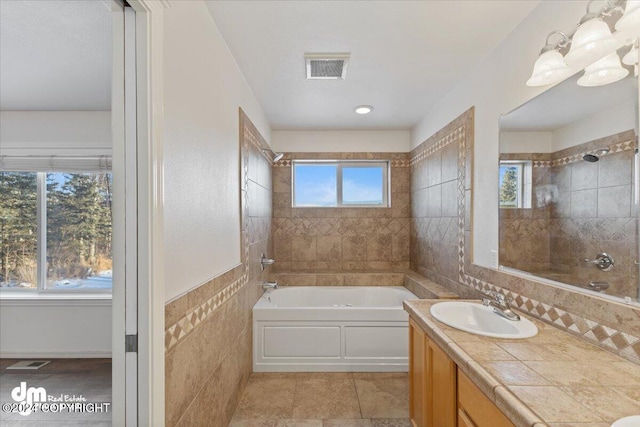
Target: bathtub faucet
column 264, row 261
column 270, row 285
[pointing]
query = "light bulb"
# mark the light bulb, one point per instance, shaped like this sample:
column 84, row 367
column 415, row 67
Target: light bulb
column 630, row 20
column 363, row 109
column 549, row 68
column 591, row 41
column 606, row 70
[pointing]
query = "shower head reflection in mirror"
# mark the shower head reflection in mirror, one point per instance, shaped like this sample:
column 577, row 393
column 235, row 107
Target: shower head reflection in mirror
column 580, row 143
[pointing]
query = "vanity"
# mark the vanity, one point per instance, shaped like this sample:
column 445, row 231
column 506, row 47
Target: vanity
column 551, row 379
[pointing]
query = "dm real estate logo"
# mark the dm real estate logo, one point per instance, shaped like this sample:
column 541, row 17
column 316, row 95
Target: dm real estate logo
column 28, row 397
column 35, row 399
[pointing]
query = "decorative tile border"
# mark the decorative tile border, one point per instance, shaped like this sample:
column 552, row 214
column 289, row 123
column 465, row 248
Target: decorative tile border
column 183, row 327
column 395, row 163
column 454, row 136
column 615, row 148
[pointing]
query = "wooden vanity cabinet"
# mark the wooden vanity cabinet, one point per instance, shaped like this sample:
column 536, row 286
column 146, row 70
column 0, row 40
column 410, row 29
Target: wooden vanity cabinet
column 475, row 409
column 441, row 395
column 432, row 382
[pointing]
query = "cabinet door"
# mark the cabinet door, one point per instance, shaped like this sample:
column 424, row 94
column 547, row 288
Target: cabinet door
column 417, row 375
column 479, row 410
column 463, row 419
column 442, row 393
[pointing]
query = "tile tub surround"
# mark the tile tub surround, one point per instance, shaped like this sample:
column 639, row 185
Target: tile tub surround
column 419, row 285
column 550, row 379
column 593, row 214
column 208, row 331
column 341, row 239
column 324, row 400
column 613, row 325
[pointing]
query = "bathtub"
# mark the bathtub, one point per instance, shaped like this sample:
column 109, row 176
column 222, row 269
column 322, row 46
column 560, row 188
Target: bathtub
column 331, row 329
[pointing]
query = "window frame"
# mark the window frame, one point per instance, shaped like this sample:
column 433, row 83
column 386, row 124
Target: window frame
column 340, row 165
column 41, row 245
column 524, row 183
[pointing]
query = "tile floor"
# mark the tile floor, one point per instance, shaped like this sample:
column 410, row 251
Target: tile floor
column 324, row 400
column 90, row 378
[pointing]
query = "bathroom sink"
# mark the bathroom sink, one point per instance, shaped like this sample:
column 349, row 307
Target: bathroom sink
column 632, row 421
column 480, row 320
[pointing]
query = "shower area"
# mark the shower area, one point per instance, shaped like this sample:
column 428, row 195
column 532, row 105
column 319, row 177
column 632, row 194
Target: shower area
column 576, row 222
column 568, row 194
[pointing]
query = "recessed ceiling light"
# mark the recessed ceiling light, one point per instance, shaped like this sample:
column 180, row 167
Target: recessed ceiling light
column 363, row 109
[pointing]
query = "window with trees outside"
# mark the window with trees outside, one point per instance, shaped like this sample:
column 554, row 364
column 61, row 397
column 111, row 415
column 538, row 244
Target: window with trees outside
column 340, row 183
column 55, row 231
column 515, row 184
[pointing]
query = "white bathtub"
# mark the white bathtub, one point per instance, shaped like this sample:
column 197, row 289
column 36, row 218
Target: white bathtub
column 331, row 329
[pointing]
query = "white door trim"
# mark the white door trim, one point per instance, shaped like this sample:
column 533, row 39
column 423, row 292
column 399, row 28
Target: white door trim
column 151, row 299
column 119, row 230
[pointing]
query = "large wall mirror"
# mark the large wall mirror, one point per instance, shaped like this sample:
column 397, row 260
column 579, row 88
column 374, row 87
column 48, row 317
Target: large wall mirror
column 568, row 187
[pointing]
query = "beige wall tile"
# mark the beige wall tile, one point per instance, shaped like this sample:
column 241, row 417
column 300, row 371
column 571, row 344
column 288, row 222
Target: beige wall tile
column 379, row 247
column 329, row 248
column 303, row 248
column 354, row 248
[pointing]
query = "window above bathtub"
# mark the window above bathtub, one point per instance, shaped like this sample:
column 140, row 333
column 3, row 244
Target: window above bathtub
column 340, row 183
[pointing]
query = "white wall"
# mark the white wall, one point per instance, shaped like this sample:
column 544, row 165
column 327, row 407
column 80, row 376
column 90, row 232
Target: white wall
column 604, row 123
column 495, row 87
column 203, row 90
column 55, row 131
column 46, row 327
column 55, row 328
column 526, row 142
column 341, row 141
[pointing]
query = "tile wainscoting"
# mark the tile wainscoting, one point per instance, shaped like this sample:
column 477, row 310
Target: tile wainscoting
column 208, row 335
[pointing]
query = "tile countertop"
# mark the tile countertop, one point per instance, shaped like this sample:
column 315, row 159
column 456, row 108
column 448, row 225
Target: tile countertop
column 553, row 379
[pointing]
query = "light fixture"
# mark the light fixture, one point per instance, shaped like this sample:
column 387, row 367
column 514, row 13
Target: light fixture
column 630, row 20
column 550, row 67
column 591, row 41
column 604, row 71
column 592, row 47
column 631, row 58
column 363, row 109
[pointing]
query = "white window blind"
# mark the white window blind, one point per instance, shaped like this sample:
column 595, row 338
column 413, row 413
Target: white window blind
column 34, row 163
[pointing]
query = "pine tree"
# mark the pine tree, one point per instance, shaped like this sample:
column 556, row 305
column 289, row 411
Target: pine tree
column 509, row 187
column 18, row 226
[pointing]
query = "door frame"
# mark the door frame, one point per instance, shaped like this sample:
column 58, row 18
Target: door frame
column 150, row 223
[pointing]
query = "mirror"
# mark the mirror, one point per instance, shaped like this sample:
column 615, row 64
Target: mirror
column 568, row 187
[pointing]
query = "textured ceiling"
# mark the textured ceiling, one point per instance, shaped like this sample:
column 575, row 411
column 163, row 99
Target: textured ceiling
column 405, row 55
column 55, row 55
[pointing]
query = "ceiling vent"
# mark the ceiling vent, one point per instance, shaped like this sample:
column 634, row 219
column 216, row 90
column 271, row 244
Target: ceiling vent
column 326, row 66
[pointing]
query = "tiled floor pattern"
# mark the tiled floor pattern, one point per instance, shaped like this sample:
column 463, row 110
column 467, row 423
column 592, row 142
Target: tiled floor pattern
column 324, row 400
column 90, row 378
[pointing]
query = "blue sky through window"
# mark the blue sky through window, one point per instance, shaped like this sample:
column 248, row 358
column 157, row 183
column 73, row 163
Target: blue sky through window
column 316, row 185
column 362, row 186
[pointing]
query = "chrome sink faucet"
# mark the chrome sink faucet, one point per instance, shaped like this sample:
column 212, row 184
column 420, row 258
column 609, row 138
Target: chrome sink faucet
column 270, row 285
column 499, row 304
